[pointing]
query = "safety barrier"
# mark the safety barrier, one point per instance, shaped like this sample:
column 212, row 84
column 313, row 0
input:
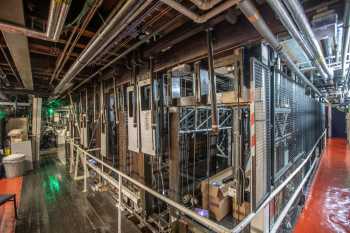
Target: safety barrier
column 84, row 155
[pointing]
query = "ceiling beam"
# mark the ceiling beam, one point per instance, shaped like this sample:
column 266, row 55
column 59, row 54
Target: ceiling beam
column 17, row 44
column 18, row 91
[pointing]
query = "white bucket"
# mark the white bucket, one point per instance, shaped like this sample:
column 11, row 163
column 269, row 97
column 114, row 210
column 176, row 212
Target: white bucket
column 14, row 165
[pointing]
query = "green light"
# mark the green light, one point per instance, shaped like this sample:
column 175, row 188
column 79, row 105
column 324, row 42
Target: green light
column 2, row 115
column 52, row 188
column 50, row 111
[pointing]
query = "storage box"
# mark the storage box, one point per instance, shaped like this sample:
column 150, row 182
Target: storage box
column 239, row 212
column 212, row 195
column 16, row 135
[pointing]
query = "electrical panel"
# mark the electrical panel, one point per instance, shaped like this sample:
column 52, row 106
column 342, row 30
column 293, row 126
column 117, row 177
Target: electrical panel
column 83, row 131
column 133, row 137
column 147, row 129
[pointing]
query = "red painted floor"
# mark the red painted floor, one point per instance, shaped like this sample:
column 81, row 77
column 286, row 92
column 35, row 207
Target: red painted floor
column 7, row 214
column 327, row 208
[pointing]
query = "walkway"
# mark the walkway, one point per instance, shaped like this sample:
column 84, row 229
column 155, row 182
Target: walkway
column 327, row 208
column 50, row 201
column 7, row 213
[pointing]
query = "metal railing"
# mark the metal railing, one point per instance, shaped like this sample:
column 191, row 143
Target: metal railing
column 83, row 155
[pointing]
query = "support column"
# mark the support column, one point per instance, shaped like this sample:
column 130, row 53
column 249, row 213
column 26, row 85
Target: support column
column 36, row 128
column 174, row 162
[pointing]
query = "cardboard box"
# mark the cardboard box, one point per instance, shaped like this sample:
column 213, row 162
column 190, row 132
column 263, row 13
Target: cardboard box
column 218, row 207
column 212, row 195
column 239, row 212
column 17, row 135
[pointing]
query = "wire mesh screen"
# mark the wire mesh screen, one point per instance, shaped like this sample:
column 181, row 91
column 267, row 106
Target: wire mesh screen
column 299, row 121
column 261, row 77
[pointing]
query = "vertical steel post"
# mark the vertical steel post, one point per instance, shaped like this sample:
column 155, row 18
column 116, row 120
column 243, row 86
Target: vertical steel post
column 36, row 129
column 134, row 109
column 71, row 156
column 120, row 205
column 85, row 174
column 212, row 78
column 77, row 157
column 197, row 82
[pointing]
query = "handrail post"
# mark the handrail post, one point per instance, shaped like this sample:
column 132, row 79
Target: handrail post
column 85, row 174
column 71, row 156
column 120, row 205
column 76, row 165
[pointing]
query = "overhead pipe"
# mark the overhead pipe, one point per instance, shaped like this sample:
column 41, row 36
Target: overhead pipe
column 346, row 36
column 61, row 19
column 254, row 17
column 196, row 18
column 288, row 23
column 129, row 11
column 205, row 4
column 326, row 47
column 127, row 51
column 55, row 9
column 68, row 48
column 302, row 21
column 200, row 18
column 57, row 16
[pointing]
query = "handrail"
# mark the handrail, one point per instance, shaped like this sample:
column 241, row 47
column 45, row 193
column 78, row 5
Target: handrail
column 289, row 204
column 205, row 221
column 251, row 216
column 202, row 220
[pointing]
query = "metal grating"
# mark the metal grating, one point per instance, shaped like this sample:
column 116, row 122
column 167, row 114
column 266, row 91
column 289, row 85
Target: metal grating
column 261, row 78
column 299, row 121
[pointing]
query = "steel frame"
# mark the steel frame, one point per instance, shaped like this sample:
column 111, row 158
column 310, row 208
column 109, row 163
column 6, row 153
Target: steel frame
column 117, row 183
column 198, row 119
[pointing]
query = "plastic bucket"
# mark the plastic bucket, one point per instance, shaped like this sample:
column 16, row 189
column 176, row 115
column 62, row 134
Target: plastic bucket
column 14, row 165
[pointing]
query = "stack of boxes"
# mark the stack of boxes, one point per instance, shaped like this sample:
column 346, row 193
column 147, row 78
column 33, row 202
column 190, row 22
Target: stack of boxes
column 219, row 197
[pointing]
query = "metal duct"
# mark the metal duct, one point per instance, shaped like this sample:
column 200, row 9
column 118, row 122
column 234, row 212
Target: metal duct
column 253, row 15
column 346, row 36
column 55, row 9
column 57, row 16
column 17, row 44
column 200, row 18
column 326, row 46
column 205, row 4
column 288, row 23
column 302, row 21
column 118, row 23
column 61, row 19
